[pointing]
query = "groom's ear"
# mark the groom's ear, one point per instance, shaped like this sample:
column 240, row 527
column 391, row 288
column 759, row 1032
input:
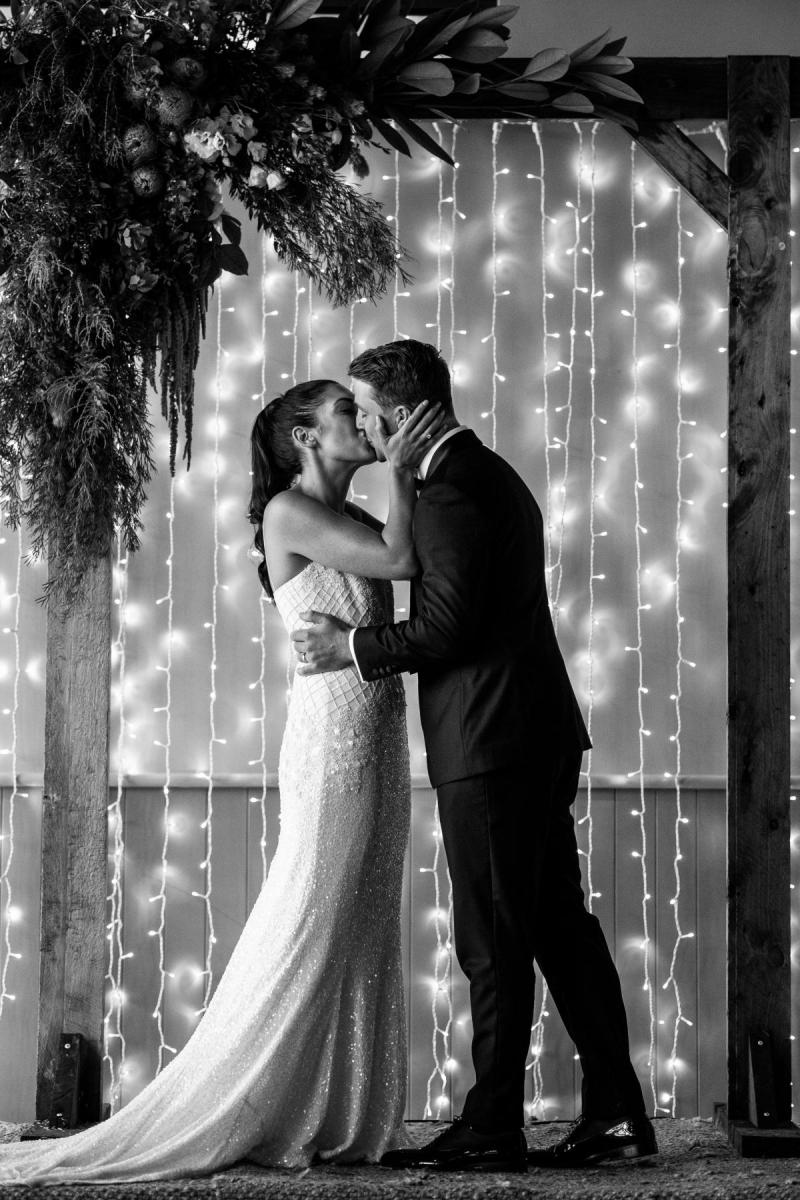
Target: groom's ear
column 401, row 415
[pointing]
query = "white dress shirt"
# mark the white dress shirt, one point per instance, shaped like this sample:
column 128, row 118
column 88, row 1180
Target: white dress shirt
column 422, row 473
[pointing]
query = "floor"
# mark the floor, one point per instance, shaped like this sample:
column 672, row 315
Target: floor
column 695, row 1163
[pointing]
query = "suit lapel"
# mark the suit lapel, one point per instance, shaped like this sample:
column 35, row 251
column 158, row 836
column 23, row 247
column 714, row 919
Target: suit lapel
column 465, row 439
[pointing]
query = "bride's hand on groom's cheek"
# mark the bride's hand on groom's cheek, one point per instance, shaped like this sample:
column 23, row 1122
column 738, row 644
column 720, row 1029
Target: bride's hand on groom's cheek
column 323, row 647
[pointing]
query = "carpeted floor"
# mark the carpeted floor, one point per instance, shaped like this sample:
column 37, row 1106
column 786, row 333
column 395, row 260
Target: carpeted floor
column 695, row 1163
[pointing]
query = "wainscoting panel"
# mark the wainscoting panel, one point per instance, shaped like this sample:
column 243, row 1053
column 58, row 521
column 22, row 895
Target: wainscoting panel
column 20, row 869
column 164, row 980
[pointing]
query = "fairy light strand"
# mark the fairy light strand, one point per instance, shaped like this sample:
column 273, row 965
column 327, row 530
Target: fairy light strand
column 263, row 604
column 536, row 1049
column 546, row 335
column 557, row 569
column 441, row 996
column 454, row 215
column 113, row 1020
column 680, row 661
column 161, row 896
column 594, row 576
column 9, row 954
column 208, row 823
column 641, row 690
column 497, row 129
column 298, row 291
column 440, row 283
column 396, row 220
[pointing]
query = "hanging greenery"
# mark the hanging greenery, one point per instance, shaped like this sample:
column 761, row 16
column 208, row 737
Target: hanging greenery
column 120, row 123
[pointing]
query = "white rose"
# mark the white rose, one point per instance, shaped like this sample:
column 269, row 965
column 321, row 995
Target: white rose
column 276, row 182
column 257, row 151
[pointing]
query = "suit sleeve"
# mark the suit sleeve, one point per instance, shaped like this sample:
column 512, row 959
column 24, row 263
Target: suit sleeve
column 452, row 542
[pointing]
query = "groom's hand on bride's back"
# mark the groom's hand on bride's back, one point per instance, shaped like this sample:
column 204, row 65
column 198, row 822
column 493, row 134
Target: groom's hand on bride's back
column 323, row 647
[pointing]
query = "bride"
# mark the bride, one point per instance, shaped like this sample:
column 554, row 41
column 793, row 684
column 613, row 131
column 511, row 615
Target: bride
column 301, row 1053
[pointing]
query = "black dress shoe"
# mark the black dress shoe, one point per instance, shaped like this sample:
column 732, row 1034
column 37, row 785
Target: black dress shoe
column 462, row 1148
column 594, row 1140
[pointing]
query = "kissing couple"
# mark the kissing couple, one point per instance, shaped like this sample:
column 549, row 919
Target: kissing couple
column 301, row 1054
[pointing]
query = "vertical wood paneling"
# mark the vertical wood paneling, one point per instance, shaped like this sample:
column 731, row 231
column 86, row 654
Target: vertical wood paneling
column 229, row 905
column 143, row 818
column 711, row 950
column 267, row 828
column 686, row 955
column 185, row 918
column 795, row 939
column 17, row 1029
column 629, row 924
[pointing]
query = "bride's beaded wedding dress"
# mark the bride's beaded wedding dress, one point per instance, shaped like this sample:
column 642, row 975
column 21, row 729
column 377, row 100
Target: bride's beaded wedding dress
column 301, row 1053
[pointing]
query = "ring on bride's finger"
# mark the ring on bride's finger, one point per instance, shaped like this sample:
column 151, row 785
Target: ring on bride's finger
column 426, row 437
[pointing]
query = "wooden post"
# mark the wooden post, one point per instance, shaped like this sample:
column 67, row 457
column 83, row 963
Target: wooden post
column 758, row 583
column 74, row 823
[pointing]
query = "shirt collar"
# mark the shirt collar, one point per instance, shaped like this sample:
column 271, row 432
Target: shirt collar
column 425, row 465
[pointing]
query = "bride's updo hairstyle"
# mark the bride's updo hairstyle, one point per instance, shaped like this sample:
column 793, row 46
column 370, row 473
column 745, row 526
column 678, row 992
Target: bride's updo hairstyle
column 274, row 452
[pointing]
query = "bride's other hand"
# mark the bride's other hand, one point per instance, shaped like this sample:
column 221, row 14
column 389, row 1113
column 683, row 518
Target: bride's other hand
column 406, row 449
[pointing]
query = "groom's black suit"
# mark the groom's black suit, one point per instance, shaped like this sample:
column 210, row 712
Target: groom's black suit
column 504, row 739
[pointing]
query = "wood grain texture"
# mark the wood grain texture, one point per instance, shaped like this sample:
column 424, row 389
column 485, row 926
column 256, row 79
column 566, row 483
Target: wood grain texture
column 688, row 165
column 74, row 824
column 758, row 572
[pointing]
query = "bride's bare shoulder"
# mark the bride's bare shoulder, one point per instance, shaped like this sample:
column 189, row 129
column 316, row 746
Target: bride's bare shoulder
column 290, row 503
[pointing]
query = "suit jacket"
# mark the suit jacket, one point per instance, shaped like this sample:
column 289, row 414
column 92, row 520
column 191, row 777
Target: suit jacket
column 493, row 688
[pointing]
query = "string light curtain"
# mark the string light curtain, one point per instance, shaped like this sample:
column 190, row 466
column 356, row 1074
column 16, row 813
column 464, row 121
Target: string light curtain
column 582, row 304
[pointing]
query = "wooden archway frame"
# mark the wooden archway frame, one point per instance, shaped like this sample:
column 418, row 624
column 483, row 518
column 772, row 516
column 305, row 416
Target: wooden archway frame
column 757, row 96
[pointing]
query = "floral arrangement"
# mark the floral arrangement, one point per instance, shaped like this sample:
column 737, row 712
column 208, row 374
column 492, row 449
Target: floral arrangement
column 120, row 122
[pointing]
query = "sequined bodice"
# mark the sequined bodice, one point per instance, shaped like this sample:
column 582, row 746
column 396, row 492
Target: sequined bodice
column 301, row 1053
column 357, row 601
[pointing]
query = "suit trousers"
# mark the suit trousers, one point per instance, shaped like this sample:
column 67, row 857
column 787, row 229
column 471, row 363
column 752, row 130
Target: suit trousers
column 510, row 841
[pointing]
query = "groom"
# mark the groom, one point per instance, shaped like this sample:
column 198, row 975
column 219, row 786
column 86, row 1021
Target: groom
column 504, row 739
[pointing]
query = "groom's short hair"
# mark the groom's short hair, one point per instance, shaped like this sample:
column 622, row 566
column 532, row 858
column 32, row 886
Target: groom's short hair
column 405, row 372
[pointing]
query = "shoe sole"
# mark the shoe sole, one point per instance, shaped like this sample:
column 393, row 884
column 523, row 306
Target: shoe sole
column 625, row 1154
column 498, row 1165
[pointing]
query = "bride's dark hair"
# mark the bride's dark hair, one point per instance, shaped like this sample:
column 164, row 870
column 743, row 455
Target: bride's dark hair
column 274, row 452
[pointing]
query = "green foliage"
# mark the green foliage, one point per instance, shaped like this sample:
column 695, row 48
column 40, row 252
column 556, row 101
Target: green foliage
column 119, row 122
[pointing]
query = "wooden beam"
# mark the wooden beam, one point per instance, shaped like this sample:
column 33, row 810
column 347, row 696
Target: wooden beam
column 688, row 165
column 759, row 995
column 74, row 823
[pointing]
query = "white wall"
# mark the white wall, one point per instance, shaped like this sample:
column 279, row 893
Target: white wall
column 661, row 28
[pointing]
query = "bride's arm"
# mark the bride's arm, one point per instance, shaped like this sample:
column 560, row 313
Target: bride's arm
column 304, row 526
